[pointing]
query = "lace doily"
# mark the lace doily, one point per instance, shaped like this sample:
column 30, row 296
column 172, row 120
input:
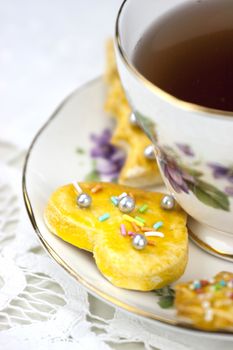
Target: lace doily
column 41, row 306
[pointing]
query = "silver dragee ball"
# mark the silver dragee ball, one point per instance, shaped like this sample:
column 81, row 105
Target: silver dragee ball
column 84, row 200
column 133, row 119
column 126, row 204
column 139, row 241
column 149, row 152
column 168, row 202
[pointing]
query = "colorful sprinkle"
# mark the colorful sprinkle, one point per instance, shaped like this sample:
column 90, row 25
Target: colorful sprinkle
column 157, row 225
column 114, row 200
column 96, row 188
column 151, row 243
column 204, row 283
column 143, row 208
column 217, row 287
column 138, row 218
column 147, row 229
column 230, row 284
column 104, row 217
column 208, row 315
column 131, row 234
column 135, row 227
column 123, row 230
column 206, row 304
column 191, row 286
column 197, row 284
column 77, row 187
column 154, row 234
column 130, row 219
column 222, row 283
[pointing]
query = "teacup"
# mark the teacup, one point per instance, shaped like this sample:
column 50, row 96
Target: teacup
column 193, row 144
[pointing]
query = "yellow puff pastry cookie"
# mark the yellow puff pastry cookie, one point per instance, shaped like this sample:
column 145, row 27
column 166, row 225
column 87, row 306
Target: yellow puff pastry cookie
column 137, row 170
column 207, row 304
column 109, row 233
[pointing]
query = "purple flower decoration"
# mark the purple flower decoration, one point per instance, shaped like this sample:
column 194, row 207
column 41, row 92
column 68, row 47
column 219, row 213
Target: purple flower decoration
column 221, row 172
column 176, row 176
column 108, row 158
column 186, row 149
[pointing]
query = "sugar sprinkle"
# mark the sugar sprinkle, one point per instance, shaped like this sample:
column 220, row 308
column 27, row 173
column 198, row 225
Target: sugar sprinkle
column 143, row 208
column 131, row 234
column 154, row 234
column 157, row 225
column 147, row 229
column 151, row 242
column 114, row 200
column 96, row 188
column 130, row 219
column 77, row 187
column 104, row 217
column 208, row 315
column 138, row 218
column 123, row 230
column 135, row 227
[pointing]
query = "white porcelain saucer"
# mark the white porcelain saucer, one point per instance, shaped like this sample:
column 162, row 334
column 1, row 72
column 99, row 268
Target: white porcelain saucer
column 52, row 161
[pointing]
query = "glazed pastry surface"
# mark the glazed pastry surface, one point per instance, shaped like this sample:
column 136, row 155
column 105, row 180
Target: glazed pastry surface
column 207, row 304
column 137, row 170
column 161, row 262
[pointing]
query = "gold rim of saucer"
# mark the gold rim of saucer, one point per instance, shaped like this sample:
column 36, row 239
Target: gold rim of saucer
column 206, row 247
column 210, row 112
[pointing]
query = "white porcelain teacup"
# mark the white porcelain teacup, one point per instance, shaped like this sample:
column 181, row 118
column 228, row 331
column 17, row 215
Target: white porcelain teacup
column 194, row 145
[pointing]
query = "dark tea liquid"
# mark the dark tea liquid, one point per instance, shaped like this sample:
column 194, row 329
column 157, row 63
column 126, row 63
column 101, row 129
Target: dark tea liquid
column 189, row 53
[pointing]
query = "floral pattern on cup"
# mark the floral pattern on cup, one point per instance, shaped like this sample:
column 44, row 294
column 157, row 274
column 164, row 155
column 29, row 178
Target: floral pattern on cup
column 222, row 172
column 107, row 159
column 177, row 178
column 226, row 173
column 185, row 149
column 185, row 177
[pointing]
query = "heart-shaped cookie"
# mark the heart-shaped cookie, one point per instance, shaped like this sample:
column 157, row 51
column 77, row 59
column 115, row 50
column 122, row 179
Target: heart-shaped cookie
column 110, row 237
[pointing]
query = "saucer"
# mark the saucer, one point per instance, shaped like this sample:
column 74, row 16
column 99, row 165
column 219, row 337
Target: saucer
column 59, row 154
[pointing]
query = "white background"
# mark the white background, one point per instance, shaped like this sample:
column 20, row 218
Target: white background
column 47, row 48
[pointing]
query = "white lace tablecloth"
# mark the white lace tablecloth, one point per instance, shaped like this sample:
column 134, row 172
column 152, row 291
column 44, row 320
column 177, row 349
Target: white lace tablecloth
column 47, row 48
